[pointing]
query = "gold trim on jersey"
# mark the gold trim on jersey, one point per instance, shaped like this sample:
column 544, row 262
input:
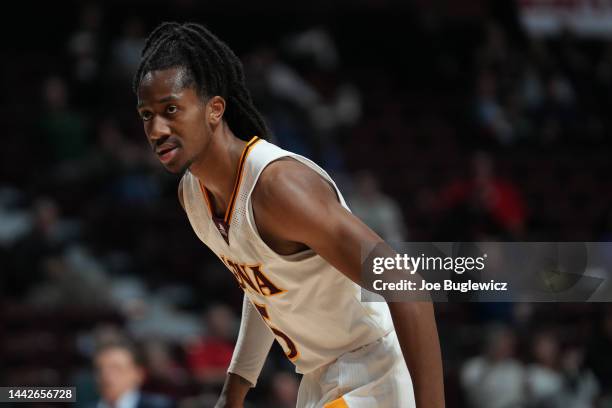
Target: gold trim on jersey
column 337, row 403
column 232, row 201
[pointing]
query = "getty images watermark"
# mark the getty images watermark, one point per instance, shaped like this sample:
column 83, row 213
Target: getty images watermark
column 422, row 263
column 488, row 271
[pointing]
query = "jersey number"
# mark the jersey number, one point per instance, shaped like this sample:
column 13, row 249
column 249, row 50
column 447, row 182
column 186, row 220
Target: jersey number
column 291, row 352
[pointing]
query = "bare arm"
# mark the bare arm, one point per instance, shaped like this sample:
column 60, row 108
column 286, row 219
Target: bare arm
column 417, row 333
column 293, row 203
column 234, row 392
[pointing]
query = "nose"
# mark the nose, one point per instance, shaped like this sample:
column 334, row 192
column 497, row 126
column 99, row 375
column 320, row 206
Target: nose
column 159, row 129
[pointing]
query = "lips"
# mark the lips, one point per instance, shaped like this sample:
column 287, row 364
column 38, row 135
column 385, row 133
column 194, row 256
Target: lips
column 166, row 152
column 164, row 148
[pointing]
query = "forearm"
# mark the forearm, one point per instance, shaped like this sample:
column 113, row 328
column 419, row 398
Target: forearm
column 234, row 391
column 253, row 344
column 417, row 333
column 252, row 347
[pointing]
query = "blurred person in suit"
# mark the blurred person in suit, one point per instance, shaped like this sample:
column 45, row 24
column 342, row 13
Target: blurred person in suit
column 120, row 375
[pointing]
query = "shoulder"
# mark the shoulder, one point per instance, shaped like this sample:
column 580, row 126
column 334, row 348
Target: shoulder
column 291, row 200
column 290, row 185
column 287, row 177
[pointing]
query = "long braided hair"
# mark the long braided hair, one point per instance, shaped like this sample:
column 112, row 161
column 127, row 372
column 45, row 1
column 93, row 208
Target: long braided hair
column 210, row 65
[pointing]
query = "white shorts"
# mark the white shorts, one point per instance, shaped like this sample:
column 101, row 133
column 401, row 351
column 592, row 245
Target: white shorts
column 373, row 376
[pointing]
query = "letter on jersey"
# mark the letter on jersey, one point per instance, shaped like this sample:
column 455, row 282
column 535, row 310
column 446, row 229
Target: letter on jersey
column 251, row 277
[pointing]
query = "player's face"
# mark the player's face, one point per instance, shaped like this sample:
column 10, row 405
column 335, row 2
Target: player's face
column 174, row 118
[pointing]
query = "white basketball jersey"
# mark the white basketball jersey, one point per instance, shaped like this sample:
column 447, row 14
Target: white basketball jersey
column 313, row 309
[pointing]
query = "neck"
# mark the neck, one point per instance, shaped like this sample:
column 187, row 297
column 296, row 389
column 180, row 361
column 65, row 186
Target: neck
column 217, row 167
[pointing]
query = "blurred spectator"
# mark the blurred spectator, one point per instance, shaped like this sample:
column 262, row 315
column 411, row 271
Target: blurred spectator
column 543, row 378
column 152, row 316
column 210, row 357
column 120, row 375
column 599, row 357
column 495, row 379
column 315, row 43
column 284, row 390
column 126, row 50
column 531, row 88
column 125, row 167
column 15, row 222
column 580, row 385
column 307, row 102
column 377, row 210
column 484, row 204
column 84, row 43
column 73, row 278
column 64, row 130
column 50, row 227
column 489, row 111
column 47, row 234
column 164, row 373
column 284, row 82
column 284, row 96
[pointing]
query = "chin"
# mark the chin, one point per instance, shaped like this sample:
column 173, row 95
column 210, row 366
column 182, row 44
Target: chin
column 185, row 167
column 175, row 168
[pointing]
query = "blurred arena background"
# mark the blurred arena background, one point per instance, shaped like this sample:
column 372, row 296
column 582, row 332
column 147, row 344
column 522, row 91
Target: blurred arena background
column 441, row 120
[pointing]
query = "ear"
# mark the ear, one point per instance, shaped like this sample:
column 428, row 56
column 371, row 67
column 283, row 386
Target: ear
column 215, row 107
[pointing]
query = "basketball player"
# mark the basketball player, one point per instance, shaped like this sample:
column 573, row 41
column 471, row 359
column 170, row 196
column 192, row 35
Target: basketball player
column 280, row 225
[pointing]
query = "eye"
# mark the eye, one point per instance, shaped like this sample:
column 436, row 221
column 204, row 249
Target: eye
column 172, row 109
column 146, row 115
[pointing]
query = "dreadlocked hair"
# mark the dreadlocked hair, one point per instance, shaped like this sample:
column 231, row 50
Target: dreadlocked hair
column 209, row 65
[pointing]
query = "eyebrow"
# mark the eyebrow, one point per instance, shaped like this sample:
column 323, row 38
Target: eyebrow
column 171, row 97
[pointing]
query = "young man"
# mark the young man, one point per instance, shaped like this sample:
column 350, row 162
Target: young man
column 280, row 225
